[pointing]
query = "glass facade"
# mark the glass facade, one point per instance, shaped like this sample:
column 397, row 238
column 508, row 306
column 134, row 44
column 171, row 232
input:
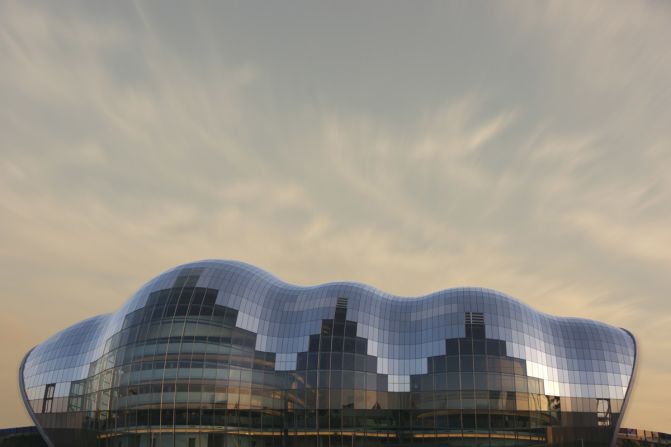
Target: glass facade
column 220, row 353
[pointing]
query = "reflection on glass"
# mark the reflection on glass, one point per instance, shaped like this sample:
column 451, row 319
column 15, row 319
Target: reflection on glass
column 221, row 353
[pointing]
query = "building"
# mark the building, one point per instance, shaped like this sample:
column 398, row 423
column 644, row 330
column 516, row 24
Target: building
column 220, row 353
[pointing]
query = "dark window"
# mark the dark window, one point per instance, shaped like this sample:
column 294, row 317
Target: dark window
column 336, row 360
column 469, row 421
column 359, row 363
column 493, row 347
column 454, row 421
column 348, row 361
column 467, row 381
column 440, row 381
column 465, row 346
column 452, row 346
column 313, row 359
column 350, row 329
column 325, row 344
column 371, row 363
column 479, row 363
column 327, row 327
column 439, row 364
column 475, row 325
column 467, row 363
column 337, row 344
column 341, row 309
column 314, row 343
column 361, row 345
column 301, row 361
column 452, row 364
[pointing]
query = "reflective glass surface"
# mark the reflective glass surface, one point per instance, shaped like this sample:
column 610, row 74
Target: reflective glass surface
column 220, row 353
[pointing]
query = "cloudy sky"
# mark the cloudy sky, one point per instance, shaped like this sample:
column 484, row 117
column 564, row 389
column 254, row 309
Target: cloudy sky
column 524, row 147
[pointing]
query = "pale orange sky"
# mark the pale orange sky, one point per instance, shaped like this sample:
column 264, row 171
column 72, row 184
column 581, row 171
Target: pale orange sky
column 524, row 147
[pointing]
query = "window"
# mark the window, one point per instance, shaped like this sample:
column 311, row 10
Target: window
column 48, row 398
column 475, row 325
column 603, row 412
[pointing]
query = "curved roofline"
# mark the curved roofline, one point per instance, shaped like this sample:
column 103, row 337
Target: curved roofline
column 275, row 278
column 381, row 293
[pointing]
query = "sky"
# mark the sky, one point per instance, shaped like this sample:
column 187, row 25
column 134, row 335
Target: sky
column 413, row 146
